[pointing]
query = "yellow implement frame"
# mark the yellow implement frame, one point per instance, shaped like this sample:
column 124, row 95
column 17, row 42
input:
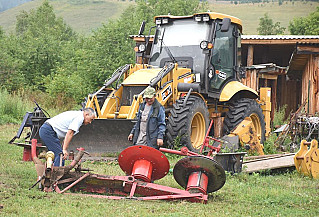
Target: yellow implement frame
column 307, row 159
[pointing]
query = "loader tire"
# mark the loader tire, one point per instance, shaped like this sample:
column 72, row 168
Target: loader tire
column 187, row 124
column 239, row 110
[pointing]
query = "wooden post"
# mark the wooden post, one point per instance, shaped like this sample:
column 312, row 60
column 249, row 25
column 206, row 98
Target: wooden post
column 250, row 55
column 218, row 124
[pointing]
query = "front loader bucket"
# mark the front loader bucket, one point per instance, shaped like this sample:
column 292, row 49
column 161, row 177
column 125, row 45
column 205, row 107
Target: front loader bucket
column 103, row 136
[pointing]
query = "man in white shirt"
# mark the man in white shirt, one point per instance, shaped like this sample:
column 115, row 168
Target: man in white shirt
column 64, row 126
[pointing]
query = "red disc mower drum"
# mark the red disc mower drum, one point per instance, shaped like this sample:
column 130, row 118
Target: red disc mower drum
column 143, row 162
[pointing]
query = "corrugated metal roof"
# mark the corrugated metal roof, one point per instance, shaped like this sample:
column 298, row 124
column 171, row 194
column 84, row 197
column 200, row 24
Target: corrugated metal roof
column 269, row 68
column 279, row 37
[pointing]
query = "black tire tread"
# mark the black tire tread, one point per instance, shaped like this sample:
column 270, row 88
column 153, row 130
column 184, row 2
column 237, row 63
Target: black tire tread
column 178, row 120
column 240, row 109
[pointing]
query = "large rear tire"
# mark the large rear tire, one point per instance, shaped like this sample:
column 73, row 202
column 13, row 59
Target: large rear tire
column 241, row 109
column 189, row 123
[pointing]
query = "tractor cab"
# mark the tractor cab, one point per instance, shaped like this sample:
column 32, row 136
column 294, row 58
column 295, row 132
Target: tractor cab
column 207, row 43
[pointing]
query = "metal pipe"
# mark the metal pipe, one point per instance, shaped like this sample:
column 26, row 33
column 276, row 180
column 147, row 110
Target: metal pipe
column 170, row 151
column 162, row 74
column 74, row 183
column 76, row 160
column 34, row 149
column 50, row 158
column 187, row 96
column 183, row 152
column 206, row 141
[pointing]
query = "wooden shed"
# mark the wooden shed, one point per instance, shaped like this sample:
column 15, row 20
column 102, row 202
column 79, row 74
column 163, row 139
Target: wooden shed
column 292, row 71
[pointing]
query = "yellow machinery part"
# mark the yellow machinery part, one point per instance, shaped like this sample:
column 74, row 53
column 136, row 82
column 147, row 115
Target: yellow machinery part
column 315, row 163
column 299, row 158
column 232, row 88
column 265, row 94
column 49, row 157
column 198, row 132
column 307, row 159
column 248, row 134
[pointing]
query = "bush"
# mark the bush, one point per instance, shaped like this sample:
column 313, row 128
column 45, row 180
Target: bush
column 269, row 147
column 279, row 117
column 269, row 144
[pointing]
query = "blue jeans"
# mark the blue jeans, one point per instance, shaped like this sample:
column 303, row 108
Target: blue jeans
column 52, row 142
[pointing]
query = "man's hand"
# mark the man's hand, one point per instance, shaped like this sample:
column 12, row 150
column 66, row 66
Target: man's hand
column 65, row 154
column 130, row 137
column 159, row 142
column 67, row 140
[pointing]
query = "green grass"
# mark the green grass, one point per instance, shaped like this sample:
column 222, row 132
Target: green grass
column 86, row 15
column 287, row 194
column 13, row 107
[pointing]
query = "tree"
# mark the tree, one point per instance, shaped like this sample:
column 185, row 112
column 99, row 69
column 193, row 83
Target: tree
column 305, row 25
column 267, row 26
column 46, row 54
column 42, row 36
column 10, row 65
column 110, row 45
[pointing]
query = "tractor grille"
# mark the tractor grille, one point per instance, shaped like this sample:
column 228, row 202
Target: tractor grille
column 129, row 92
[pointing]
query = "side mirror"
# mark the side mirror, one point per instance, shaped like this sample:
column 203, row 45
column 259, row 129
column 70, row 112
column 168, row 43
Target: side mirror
column 142, row 28
column 225, row 24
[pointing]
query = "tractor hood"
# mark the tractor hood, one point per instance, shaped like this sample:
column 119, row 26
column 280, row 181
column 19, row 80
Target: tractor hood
column 141, row 77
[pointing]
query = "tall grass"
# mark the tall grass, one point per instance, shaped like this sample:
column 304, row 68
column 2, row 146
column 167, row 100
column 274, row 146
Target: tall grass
column 13, row 107
column 269, row 144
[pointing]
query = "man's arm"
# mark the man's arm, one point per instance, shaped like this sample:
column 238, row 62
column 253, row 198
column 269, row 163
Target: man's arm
column 161, row 126
column 130, row 137
column 67, row 140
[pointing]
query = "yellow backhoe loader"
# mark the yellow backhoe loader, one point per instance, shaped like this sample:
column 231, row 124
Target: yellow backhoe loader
column 193, row 62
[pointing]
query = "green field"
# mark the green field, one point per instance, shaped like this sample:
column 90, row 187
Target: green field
column 87, row 15
column 83, row 16
column 286, row 194
column 250, row 13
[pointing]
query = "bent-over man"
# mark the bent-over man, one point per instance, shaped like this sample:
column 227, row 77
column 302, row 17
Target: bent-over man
column 64, row 126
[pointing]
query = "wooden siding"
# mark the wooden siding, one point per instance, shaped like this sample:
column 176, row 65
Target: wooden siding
column 310, row 85
column 288, row 94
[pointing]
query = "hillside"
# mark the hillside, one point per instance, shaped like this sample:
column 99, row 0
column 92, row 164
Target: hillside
column 82, row 15
column 250, row 13
column 5, row 4
column 87, row 15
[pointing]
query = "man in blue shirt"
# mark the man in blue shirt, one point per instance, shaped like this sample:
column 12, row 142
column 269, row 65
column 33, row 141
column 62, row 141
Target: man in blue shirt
column 64, row 126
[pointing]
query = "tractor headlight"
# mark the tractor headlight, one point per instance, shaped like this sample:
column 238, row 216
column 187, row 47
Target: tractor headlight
column 205, row 45
column 198, row 18
column 165, row 20
column 205, row 18
column 158, row 21
column 141, row 48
